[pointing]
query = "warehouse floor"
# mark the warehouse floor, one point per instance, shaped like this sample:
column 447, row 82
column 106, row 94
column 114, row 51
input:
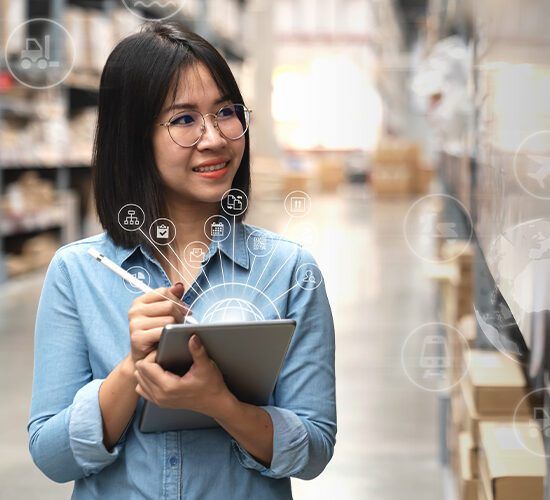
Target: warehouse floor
column 378, row 295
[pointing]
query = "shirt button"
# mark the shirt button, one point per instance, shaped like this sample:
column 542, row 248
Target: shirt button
column 173, row 461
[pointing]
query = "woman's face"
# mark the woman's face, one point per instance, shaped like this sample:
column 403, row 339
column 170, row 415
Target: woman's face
column 183, row 169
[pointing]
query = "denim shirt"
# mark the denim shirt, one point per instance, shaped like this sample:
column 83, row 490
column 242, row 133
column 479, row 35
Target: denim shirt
column 82, row 334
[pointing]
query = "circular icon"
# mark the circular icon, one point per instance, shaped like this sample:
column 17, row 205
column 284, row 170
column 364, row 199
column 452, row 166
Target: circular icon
column 432, row 357
column 234, row 202
column 532, row 421
column 532, row 165
column 423, row 225
column 297, row 204
column 308, row 276
column 259, row 244
column 232, row 310
column 195, row 253
column 164, row 9
column 162, row 231
column 35, row 53
column 217, row 228
column 242, row 299
column 141, row 274
column 131, row 217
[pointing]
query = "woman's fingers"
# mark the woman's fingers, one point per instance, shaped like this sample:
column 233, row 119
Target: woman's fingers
column 157, row 295
column 163, row 308
column 145, row 323
column 153, row 335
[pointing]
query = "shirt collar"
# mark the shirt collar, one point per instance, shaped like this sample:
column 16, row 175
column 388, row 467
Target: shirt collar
column 233, row 246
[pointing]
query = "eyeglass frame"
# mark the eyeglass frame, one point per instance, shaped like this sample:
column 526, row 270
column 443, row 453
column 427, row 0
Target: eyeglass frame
column 215, row 115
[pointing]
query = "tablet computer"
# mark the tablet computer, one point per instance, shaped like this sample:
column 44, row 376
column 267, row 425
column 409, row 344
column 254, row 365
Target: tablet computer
column 249, row 355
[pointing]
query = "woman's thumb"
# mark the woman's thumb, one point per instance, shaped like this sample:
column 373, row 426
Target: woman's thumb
column 178, row 289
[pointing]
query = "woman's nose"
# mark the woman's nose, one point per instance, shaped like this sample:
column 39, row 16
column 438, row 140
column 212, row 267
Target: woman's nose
column 211, row 136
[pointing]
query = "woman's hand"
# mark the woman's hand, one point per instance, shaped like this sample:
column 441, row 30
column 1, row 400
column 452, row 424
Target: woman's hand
column 149, row 314
column 201, row 389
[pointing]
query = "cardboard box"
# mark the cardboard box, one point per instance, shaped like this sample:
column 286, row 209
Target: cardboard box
column 423, row 179
column 469, row 449
column 392, row 179
column 511, row 462
column 295, row 181
column 460, row 250
column 394, row 169
column 467, row 480
column 497, row 383
column 330, row 174
column 473, row 419
column 481, row 491
column 467, row 326
column 397, row 151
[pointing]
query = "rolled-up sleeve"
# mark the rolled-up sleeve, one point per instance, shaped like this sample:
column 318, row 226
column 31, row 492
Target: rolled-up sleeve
column 304, row 401
column 65, row 425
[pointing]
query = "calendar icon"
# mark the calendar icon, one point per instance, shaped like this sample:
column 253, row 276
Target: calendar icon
column 217, row 229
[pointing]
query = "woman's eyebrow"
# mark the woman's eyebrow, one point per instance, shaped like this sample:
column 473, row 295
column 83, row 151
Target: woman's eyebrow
column 193, row 105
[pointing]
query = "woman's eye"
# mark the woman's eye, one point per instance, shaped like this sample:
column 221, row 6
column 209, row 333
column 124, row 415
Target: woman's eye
column 226, row 112
column 185, row 119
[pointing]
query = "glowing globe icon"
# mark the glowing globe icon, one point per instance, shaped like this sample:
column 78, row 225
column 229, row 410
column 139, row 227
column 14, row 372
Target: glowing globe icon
column 232, row 311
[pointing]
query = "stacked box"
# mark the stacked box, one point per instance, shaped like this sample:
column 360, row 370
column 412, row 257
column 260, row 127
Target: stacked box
column 458, row 294
column 492, row 389
column 458, row 344
column 511, row 461
column 495, row 384
column 394, row 168
column 467, row 468
column 423, row 178
column 296, row 181
column 331, row 174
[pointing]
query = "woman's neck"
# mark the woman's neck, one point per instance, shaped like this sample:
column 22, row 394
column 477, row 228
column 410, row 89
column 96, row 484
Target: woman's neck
column 189, row 219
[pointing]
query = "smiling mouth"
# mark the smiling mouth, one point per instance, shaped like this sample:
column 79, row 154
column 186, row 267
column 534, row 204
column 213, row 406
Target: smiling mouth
column 210, row 168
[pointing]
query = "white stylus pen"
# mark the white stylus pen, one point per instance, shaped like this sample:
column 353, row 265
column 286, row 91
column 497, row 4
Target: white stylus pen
column 125, row 275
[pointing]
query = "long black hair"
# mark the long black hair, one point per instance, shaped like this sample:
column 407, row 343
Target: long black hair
column 137, row 77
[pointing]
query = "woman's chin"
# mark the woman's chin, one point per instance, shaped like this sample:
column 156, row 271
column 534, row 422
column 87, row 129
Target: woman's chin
column 206, row 195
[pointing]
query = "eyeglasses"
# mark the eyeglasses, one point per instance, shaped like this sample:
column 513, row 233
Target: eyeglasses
column 187, row 127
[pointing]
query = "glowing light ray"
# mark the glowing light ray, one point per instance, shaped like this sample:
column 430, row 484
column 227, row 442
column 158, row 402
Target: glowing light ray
column 271, row 253
column 221, row 265
column 278, row 271
column 233, row 260
column 250, row 270
column 284, row 293
column 165, row 258
column 194, row 281
column 263, row 296
column 202, row 269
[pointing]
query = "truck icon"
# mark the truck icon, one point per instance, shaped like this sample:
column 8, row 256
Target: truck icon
column 34, row 53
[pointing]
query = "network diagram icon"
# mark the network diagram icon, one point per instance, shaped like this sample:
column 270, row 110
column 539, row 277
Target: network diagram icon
column 131, row 219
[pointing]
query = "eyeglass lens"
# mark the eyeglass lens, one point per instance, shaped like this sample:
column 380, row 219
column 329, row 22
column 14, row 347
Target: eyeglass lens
column 187, row 127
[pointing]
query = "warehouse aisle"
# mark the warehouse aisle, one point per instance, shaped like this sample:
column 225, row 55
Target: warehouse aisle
column 378, row 294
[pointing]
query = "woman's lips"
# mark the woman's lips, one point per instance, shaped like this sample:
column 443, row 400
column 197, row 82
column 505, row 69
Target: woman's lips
column 214, row 174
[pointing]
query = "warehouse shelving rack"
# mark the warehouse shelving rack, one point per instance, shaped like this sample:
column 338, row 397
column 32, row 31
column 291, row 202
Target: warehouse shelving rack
column 78, row 91
column 480, row 182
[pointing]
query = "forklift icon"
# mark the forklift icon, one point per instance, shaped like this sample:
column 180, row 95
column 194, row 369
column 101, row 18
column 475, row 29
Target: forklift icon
column 34, row 53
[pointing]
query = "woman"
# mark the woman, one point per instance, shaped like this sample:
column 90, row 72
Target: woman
column 172, row 140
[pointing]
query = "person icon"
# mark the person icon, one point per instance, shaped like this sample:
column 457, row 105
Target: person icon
column 309, row 277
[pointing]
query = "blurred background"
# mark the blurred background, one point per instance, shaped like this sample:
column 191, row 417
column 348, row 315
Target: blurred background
column 419, row 130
